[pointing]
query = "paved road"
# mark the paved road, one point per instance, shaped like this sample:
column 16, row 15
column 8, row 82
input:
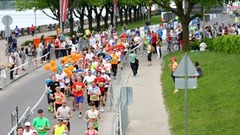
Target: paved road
column 27, row 91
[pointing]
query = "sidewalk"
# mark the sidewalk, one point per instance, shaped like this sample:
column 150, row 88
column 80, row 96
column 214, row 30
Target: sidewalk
column 148, row 114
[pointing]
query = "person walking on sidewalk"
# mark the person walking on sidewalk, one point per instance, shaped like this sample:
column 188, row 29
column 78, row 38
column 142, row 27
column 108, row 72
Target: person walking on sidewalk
column 114, row 63
column 11, row 61
column 132, row 57
column 173, row 66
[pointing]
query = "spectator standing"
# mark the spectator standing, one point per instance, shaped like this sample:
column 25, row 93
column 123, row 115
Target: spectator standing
column 16, row 30
column 32, row 30
column 40, row 50
column 154, row 41
column 11, row 61
column 173, row 66
column 158, row 47
column 16, row 61
column 23, row 57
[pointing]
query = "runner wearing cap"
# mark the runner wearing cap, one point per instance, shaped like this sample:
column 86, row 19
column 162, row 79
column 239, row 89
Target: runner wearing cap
column 41, row 124
column 27, row 129
column 59, row 128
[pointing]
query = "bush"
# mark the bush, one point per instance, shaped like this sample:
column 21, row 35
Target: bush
column 228, row 44
column 26, row 43
column 194, row 45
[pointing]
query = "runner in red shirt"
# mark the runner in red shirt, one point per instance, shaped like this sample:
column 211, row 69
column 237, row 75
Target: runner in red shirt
column 77, row 89
column 100, row 82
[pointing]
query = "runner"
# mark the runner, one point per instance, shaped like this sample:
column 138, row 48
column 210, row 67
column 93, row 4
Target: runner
column 94, row 93
column 88, row 81
column 114, row 63
column 58, row 98
column 64, row 112
column 59, row 128
column 77, row 89
column 100, row 82
column 41, row 124
column 52, row 86
column 60, row 78
column 91, row 130
column 92, row 115
column 27, row 129
column 106, row 86
column 20, row 130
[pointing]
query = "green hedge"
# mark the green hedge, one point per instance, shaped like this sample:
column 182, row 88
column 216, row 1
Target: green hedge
column 26, row 43
column 228, row 44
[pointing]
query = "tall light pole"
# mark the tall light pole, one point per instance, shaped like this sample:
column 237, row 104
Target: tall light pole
column 35, row 15
column 60, row 15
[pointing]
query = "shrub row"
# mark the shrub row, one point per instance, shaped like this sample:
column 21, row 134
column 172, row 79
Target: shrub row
column 228, row 44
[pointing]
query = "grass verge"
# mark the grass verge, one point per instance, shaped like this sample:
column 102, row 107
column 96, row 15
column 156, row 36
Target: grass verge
column 213, row 107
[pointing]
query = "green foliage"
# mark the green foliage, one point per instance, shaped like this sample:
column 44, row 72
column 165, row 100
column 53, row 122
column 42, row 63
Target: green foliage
column 228, row 44
column 213, row 108
column 26, row 43
column 194, row 45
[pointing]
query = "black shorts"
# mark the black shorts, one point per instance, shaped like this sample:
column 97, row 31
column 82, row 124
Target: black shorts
column 62, row 90
column 149, row 56
column 102, row 93
column 106, row 89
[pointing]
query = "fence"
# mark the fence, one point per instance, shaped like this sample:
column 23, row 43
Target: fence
column 21, row 70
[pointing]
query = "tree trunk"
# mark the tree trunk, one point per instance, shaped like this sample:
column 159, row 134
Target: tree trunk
column 134, row 13
column 90, row 18
column 105, row 18
column 112, row 15
column 126, row 15
column 130, row 13
column 185, row 28
column 71, row 21
column 121, row 15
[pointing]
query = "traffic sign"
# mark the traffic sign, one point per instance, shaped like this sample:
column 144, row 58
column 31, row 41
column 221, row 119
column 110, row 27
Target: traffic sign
column 186, row 67
column 180, row 83
column 7, row 20
column 7, row 30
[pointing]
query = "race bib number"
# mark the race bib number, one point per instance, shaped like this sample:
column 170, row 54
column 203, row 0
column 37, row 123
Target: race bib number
column 94, row 97
column 78, row 88
column 100, row 84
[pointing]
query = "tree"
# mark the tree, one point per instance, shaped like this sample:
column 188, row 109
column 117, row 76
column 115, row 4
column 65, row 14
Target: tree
column 52, row 5
column 186, row 15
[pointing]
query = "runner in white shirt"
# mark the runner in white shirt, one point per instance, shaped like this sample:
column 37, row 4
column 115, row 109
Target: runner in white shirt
column 27, row 129
column 88, row 81
column 89, row 55
column 60, row 78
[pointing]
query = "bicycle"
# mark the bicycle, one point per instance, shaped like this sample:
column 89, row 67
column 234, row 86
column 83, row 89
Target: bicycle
column 8, row 49
column 173, row 46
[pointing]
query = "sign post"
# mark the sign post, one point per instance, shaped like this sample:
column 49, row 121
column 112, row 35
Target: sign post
column 187, row 74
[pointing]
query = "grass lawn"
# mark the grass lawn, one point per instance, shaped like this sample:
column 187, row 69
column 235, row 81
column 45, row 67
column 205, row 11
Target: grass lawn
column 154, row 20
column 214, row 107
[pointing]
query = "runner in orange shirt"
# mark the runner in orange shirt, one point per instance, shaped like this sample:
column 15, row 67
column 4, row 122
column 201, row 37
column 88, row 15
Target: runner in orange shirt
column 114, row 63
column 78, row 88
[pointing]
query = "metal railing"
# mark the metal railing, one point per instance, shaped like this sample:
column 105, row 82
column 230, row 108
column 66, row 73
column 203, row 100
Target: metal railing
column 31, row 65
